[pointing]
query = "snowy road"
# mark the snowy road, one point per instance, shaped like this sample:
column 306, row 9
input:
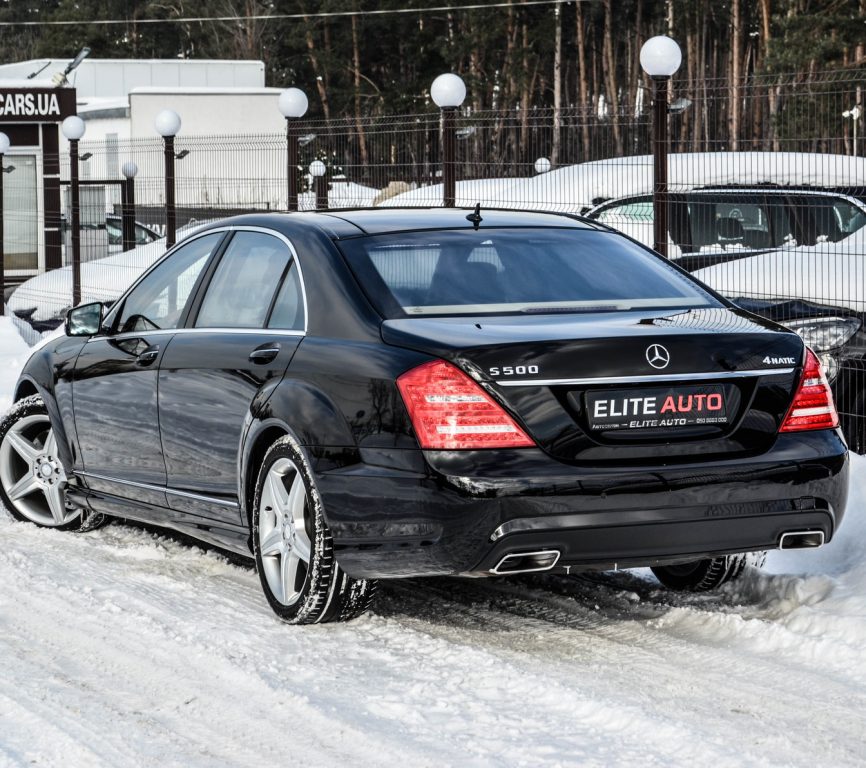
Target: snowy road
column 123, row 648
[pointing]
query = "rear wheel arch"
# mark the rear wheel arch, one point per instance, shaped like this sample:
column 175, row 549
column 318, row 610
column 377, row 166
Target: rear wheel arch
column 259, row 441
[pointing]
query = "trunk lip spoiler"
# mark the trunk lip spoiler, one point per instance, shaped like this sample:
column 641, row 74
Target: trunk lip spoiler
column 650, row 377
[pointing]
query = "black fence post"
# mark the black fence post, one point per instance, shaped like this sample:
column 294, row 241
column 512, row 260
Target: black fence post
column 4, row 147
column 127, row 205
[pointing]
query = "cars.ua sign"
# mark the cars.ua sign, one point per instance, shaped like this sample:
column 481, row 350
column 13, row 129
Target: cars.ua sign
column 36, row 105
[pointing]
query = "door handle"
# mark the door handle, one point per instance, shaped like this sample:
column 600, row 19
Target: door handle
column 264, row 354
column 148, row 356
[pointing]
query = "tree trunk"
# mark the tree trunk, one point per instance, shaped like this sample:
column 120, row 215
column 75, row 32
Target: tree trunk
column 359, row 123
column 557, row 86
column 317, row 70
column 585, row 111
column 735, row 75
column 610, row 71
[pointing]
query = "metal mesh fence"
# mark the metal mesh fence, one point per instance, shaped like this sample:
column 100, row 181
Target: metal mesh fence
column 766, row 179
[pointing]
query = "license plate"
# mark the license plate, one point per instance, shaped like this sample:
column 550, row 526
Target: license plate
column 656, row 408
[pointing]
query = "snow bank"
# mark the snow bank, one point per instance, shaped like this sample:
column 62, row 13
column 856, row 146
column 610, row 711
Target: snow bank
column 574, row 188
column 14, row 352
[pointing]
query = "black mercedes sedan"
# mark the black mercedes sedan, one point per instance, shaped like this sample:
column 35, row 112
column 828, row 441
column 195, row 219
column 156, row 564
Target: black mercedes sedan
column 361, row 395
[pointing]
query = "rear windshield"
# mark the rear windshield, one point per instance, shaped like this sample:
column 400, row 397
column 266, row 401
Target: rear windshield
column 496, row 271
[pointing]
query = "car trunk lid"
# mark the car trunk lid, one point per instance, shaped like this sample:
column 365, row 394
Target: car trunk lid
column 613, row 386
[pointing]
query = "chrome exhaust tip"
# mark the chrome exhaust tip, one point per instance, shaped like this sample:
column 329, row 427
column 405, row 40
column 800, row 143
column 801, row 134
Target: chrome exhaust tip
column 801, row 540
column 527, row 562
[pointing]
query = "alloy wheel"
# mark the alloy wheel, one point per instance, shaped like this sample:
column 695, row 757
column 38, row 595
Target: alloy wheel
column 31, row 473
column 284, row 538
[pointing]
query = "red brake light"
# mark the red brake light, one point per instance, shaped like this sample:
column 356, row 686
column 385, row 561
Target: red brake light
column 449, row 411
column 813, row 406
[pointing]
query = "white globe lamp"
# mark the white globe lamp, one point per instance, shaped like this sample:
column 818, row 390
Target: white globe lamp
column 660, row 56
column 73, row 127
column 448, row 91
column 167, row 123
column 293, row 103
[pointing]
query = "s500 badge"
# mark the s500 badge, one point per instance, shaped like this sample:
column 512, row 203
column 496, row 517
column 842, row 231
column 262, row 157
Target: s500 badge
column 513, row 370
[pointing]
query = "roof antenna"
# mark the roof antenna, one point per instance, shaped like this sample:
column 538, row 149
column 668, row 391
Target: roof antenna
column 475, row 217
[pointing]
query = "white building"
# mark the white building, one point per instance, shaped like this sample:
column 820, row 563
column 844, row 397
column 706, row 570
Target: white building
column 118, row 100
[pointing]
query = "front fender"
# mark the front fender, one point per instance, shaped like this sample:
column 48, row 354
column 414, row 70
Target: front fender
column 48, row 372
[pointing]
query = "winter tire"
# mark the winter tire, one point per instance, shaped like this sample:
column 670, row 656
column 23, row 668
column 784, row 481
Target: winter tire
column 706, row 575
column 293, row 548
column 32, row 478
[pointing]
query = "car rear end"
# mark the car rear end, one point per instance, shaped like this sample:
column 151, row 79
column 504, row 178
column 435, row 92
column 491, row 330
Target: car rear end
column 584, row 404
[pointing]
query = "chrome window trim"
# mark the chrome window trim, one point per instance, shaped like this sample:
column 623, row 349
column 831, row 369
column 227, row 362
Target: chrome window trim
column 204, row 233
column 237, row 331
column 648, row 378
column 159, row 489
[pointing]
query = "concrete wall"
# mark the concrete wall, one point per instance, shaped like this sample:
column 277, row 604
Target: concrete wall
column 208, row 113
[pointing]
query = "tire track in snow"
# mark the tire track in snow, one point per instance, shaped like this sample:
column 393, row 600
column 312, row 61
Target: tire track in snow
column 194, row 671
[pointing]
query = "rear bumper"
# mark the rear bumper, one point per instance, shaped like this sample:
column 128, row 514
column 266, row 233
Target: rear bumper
column 462, row 512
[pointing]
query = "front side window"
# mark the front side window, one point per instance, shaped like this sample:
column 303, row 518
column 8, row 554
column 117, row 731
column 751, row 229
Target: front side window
column 505, row 270
column 158, row 301
column 244, row 283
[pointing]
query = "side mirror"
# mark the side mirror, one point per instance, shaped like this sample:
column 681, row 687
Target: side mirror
column 85, row 320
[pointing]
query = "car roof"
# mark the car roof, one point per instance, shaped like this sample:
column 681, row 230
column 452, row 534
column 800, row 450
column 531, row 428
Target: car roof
column 373, row 221
column 357, row 222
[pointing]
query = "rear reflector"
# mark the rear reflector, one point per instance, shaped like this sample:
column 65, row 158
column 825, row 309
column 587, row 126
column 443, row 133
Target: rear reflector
column 449, row 411
column 813, row 406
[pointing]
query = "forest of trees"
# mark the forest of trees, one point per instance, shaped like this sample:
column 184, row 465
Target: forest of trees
column 580, row 57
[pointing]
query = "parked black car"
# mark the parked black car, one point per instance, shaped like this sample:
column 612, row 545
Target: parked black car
column 383, row 393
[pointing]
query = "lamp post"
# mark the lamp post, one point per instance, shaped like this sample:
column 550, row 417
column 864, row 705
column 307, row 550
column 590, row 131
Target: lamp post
column 73, row 129
column 167, row 124
column 293, row 105
column 4, row 148
column 660, row 57
column 854, row 113
column 542, row 165
column 320, row 187
column 129, row 170
column 448, row 92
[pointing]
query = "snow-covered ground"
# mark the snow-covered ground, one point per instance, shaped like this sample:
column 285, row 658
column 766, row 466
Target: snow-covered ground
column 121, row 647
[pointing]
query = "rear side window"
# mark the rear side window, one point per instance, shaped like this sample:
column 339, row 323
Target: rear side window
column 244, row 283
column 288, row 311
column 514, row 270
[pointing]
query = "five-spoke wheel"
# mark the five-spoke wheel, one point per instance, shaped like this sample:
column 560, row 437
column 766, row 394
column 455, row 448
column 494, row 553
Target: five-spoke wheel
column 32, row 478
column 300, row 576
column 284, row 531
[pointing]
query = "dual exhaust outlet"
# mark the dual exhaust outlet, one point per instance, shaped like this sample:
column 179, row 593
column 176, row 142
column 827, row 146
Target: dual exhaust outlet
column 545, row 559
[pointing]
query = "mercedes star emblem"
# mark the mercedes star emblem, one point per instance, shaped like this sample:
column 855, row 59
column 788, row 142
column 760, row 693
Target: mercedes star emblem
column 657, row 356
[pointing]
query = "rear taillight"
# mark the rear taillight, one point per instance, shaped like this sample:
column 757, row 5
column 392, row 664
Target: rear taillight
column 813, row 406
column 449, row 411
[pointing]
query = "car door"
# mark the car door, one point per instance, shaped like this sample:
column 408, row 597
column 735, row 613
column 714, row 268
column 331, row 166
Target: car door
column 242, row 333
column 115, row 379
